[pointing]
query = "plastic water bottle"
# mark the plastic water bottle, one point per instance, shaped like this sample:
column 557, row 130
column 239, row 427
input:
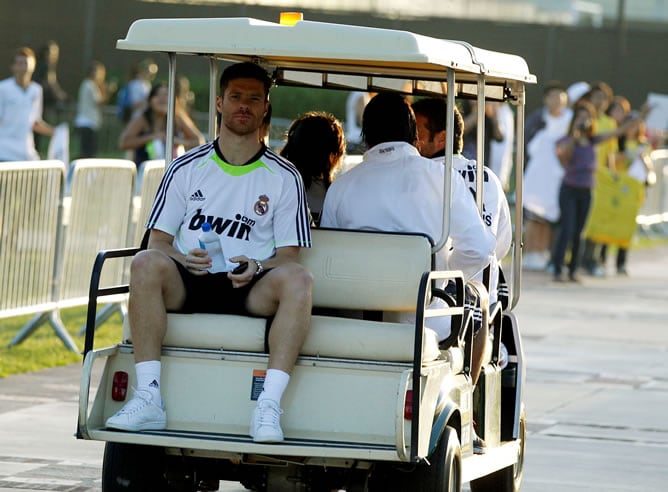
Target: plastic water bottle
column 210, row 241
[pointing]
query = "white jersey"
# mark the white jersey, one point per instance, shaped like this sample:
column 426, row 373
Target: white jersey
column 495, row 213
column 19, row 110
column 255, row 208
column 395, row 189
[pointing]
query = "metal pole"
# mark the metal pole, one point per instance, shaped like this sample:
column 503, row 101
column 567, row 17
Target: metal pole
column 620, row 46
column 171, row 108
column 213, row 90
column 447, row 175
column 89, row 33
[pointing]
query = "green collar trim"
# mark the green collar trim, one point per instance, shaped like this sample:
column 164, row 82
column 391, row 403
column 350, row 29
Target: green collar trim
column 238, row 170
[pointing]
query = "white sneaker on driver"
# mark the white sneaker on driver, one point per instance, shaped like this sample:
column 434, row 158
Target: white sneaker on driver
column 138, row 414
column 265, row 422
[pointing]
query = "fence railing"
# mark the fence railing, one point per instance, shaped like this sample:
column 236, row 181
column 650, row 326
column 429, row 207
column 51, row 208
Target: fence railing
column 49, row 237
column 31, row 195
column 653, row 217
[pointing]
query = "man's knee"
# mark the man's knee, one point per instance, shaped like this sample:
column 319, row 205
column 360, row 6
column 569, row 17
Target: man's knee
column 151, row 265
column 298, row 281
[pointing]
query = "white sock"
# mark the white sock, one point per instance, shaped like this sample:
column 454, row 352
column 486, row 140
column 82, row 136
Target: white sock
column 275, row 383
column 148, row 378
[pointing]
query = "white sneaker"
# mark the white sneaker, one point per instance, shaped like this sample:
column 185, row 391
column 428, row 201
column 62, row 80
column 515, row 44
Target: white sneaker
column 140, row 413
column 265, row 422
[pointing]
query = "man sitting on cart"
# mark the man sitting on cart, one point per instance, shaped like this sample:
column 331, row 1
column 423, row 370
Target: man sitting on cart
column 255, row 200
column 396, row 189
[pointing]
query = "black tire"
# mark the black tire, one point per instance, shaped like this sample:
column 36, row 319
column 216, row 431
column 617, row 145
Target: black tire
column 132, row 468
column 444, row 473
column 507, row 479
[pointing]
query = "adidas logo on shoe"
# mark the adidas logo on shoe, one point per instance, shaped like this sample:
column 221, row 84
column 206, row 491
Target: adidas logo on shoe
column 154, row 384
column 198, row 196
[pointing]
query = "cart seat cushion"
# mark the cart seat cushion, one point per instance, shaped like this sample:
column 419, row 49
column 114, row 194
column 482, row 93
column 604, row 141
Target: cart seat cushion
column 329, row 336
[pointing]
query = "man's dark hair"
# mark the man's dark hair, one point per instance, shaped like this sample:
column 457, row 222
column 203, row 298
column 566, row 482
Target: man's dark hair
column 388, row 118
column 245, row 70
column 435, row 110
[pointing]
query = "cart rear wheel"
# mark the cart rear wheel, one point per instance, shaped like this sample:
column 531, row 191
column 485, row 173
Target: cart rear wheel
column 444, row 473
column 132, row 468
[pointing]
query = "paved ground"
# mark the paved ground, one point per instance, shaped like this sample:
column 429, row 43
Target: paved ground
column 597, row 390
column 598, row 379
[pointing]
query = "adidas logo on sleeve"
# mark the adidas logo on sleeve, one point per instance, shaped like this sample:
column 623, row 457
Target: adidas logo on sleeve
column 198, row 196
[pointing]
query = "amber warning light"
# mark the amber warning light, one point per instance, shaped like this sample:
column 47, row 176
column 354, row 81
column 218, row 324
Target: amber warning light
column 290, row 18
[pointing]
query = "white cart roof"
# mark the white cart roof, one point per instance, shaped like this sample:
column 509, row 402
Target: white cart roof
column 334, row 55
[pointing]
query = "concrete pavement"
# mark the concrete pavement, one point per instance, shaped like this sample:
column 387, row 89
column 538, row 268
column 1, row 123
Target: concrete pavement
column 597, row 381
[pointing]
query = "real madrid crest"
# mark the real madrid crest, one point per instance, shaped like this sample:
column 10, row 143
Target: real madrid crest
column 262, row 205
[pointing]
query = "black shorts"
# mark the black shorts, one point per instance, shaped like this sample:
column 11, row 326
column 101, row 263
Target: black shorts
column 213, row 293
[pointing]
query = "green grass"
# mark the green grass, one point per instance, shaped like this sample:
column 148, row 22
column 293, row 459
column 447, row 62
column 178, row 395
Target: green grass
column 43, row 348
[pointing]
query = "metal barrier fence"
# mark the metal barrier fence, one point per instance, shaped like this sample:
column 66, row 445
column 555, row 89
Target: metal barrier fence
column 30, row 200
column 653, row 217
column 150, row 174
column 96, row 216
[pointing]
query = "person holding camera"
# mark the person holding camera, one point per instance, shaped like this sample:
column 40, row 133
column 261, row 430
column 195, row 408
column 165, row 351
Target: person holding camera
column 577, row 154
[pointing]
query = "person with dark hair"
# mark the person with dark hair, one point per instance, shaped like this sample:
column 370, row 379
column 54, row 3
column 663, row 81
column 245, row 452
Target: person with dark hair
column 255, row 201
column 619, row 110
column 542, row 174
column 134, row 96
column 46, row 74
column 94, row 92
column 145, row 133
column 395, row 189
column 430, row 115
column 21, row 110
column 315, row 145
column 577, row 153
column 493, row 130
column 600, row 97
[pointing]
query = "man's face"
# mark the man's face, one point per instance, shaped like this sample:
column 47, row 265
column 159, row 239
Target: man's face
column 23, row 66
column 243, row 106
column 427, row 145
column 556, row 101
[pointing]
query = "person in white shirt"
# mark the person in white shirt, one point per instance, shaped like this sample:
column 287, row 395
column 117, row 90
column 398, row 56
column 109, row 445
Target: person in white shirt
column 255, row 201
column 395, row 189
column 140, row 85
column 93, row 93
column 430, row 114
column 21, row 110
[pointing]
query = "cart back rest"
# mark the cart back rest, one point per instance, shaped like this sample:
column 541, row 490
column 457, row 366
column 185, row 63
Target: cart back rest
column 366, row 270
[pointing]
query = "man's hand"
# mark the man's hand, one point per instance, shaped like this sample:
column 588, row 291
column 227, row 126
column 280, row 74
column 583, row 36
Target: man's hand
column 197, row 261
column 242, row 278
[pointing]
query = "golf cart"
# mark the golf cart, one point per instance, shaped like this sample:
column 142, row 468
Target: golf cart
column 372, row 405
